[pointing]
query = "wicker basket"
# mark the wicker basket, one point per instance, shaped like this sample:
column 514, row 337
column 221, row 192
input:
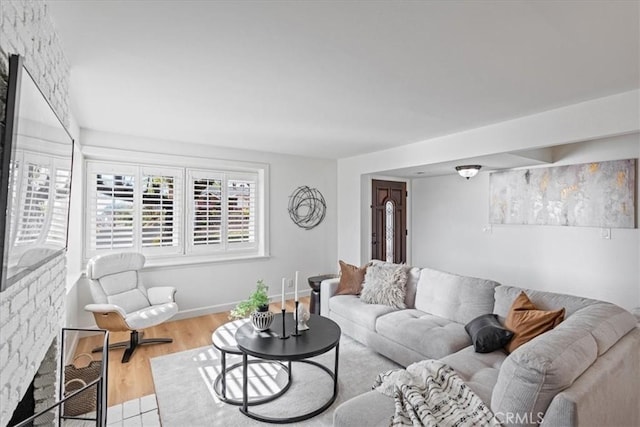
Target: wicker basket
column 76, row 378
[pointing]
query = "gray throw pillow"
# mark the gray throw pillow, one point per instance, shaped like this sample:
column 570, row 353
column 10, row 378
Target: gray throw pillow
column 487, row 334
column 385, row 284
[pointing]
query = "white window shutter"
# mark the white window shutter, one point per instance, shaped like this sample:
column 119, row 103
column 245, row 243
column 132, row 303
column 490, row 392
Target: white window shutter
column 111, row 216
column 161, row 211
column 205, row 199
column 241, row 210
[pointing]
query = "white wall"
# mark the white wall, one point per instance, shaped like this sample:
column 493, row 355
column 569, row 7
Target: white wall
column 600, row 118
column 450, row 232
column 218, row 286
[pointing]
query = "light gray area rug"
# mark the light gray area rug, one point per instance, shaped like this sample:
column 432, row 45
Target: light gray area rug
column 184, row 386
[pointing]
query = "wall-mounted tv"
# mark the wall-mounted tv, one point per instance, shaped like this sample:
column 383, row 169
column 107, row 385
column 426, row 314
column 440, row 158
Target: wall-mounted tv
column 35, row 178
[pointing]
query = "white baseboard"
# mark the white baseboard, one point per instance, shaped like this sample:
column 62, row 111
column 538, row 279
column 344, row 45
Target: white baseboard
column 219, row 308
column 202, row 311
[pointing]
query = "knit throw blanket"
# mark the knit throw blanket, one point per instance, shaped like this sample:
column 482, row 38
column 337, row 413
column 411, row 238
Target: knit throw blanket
column 430, row 393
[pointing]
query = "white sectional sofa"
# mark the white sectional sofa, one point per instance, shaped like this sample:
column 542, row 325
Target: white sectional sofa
column 586, row 371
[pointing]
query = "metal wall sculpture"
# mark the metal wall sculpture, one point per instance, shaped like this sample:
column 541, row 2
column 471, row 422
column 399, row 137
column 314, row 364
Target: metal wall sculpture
column 307, row 207
column 598, row 194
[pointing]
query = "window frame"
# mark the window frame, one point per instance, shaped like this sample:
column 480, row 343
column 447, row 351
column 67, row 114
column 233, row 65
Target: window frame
column 184, row 253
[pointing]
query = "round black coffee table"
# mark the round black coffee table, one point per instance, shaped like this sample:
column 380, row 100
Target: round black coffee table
column 323, row 335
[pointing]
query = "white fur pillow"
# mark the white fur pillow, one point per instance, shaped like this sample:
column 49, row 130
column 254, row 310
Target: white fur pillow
column 385, row 283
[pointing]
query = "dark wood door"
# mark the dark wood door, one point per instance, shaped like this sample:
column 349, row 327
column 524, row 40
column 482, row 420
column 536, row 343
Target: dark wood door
column 389, row 221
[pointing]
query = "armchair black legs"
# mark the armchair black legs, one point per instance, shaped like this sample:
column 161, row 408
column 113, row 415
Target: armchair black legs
column 135, row 340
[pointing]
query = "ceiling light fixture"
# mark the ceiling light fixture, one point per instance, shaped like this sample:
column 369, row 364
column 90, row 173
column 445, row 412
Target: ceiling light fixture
column 468, row 171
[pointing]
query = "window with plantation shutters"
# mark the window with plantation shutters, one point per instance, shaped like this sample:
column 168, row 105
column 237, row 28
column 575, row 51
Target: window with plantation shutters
column 133, row 208
column 223, row 211
column 180, row 212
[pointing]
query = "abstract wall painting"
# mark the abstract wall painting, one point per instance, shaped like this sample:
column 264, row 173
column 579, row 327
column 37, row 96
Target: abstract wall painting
column 598, row 194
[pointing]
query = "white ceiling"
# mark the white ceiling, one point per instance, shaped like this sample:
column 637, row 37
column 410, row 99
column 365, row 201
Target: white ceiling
column 335, row 79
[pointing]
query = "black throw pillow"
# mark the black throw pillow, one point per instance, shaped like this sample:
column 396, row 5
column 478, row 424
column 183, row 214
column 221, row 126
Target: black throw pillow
column 487, row 334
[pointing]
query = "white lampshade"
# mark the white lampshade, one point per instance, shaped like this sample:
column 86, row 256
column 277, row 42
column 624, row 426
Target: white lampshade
column 468, row 171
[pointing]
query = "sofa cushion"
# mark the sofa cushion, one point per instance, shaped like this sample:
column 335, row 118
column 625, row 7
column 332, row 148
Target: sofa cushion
column 527, row 321
column 487, row 334
column 454, row 297
column 429, row 335
column 352, row 308
column 506, row 295
column 351, row 279
column 385, row 284
column 478, row 370
column 536, row 371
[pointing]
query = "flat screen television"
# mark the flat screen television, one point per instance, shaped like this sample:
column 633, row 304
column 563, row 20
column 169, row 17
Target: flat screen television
column 36, row 160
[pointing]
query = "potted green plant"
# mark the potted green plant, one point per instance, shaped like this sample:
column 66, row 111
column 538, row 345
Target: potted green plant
column 258, row 302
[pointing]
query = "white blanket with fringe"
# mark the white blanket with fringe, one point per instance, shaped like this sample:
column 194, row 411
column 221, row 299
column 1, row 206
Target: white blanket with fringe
column 430, row 393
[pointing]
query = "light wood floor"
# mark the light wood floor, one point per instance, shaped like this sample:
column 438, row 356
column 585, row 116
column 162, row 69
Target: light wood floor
column 132, row 380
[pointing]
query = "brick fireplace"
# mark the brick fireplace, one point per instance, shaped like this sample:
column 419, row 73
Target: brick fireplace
column 31, row 318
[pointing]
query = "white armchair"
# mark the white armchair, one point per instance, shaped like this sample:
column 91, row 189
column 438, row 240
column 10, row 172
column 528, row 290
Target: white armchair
column 122, row 303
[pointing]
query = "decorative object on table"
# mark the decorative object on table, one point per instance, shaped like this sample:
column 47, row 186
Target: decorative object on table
column 261, row 319
column 283, row 335
column 76, row 378
column 307, row 207
column 296, row 332
column 301, row 317
column 256, row 307
column 598, row 194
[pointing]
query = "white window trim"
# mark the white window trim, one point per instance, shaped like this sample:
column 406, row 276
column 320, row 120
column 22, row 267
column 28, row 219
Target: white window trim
column 158, row 162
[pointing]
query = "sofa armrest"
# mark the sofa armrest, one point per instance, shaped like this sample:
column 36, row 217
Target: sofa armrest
column 328, row 289
column 606, row 394
column 161, row 294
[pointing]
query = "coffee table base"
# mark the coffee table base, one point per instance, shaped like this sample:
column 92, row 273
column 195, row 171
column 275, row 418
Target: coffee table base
column 334, row 375
column 220, row 390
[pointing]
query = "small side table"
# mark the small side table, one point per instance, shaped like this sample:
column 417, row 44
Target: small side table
column 314, row 283
column 224, row 340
